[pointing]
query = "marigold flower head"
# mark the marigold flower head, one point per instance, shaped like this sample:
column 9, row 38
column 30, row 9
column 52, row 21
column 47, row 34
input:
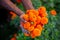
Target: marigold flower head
column 31, row 28
column 38, row 19
column 25, row 17
column 43, row 14
column 39, row 27
column 36, row 32
column 35, row 12
column 32, row 18
column 13, row 15
column 32, row 35
column 42, row 9
column 44, row 20
column 26, row 25
column 28, row 11
column 53, row 12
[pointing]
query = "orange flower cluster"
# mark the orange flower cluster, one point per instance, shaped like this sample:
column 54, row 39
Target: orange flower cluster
column 13, row 15
column 35, row 21
column 53, row 12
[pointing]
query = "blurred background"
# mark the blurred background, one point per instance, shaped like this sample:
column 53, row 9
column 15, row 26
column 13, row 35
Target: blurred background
column 51, row 30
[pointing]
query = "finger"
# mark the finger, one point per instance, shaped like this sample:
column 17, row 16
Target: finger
column 21, row 18
column 24, row 30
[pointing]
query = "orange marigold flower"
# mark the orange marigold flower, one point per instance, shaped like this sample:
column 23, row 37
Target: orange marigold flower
column 35, row 12
column 39, row 27
column 14, row 38
column 25, row 17
column 30, row 14
column 26, row 25
column 36, row 32
column 43, row 14
column 26, row 34
column 18, row 1
column 53, row 12
column 28, row 11
column 31, row 28
column 32, row 35
column 38, row 19
column 42, row 9
column 44, row 20
column 32, row 17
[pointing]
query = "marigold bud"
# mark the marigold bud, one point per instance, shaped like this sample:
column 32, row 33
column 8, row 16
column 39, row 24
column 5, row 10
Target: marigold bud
column 53, row 12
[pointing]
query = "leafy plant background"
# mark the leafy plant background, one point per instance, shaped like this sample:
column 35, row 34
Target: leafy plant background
column 52, row 29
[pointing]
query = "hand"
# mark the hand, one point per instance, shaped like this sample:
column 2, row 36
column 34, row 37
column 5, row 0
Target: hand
column 22, row 20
